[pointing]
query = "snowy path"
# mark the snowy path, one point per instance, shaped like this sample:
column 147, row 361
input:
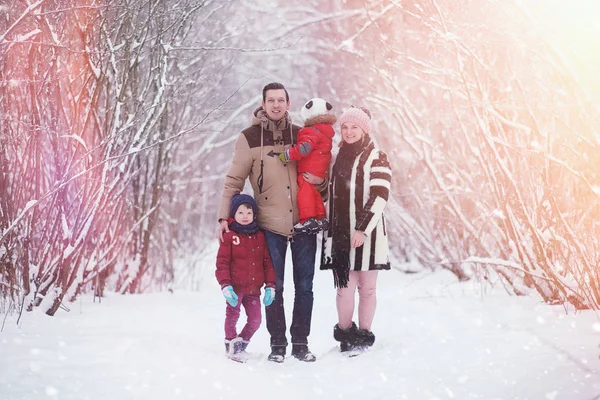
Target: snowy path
column 436, row 339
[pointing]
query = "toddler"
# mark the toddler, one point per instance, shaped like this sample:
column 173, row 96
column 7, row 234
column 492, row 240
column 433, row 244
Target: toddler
column 313, row 153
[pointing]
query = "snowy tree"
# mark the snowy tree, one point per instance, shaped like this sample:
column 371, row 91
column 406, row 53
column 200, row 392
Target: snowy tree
column 119, row 118
column 491, row 137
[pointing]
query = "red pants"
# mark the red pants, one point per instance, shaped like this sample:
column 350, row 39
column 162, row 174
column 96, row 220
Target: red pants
column 232, row 314
column 310, row 203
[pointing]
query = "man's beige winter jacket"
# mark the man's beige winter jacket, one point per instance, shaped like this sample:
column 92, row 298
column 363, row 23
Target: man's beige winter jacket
column 274, row 183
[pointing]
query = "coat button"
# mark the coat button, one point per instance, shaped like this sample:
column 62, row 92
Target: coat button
column 290, row 210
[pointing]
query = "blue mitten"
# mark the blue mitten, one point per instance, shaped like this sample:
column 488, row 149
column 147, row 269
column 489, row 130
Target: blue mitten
column 230, row 295
column 269, row 296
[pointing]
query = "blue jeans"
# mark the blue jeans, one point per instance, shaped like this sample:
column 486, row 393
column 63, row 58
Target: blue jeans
column 304, row 248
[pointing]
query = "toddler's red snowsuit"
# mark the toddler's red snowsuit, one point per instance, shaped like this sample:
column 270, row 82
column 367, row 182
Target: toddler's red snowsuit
column 314, row 159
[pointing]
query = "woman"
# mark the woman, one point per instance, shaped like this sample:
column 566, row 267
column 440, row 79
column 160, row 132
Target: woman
column 356, row 246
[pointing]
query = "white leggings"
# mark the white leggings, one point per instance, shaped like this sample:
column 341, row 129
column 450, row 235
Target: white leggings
column 367, row 299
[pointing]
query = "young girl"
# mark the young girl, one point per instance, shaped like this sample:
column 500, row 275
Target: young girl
column 243, row 267
column 356, row 246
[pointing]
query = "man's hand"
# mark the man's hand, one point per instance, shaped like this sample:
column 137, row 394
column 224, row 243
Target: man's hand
column 358, row 239
column 312, row 178
column 223, row 227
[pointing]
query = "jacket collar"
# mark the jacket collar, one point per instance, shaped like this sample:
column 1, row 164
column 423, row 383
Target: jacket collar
column 259, row 117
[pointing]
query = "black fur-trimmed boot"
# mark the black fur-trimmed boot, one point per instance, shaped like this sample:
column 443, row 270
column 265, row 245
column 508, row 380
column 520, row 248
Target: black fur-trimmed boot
column 347, row 337
column 365, row 339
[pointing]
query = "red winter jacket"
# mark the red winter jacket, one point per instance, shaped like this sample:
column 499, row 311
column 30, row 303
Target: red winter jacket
column 243, row 261
column 317, row 161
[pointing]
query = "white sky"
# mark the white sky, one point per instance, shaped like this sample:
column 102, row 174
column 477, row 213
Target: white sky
column 574, row 27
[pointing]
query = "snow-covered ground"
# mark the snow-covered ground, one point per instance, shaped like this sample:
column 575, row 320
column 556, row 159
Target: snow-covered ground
column 436, row 339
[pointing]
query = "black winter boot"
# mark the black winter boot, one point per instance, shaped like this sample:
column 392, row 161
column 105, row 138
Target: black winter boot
column 302, row 353
column 365, row 339
column 310, row 226
column 323, row 224
column 348, row 338
column 277, row 354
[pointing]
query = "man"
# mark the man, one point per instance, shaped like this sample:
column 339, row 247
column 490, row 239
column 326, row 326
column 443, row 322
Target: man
column 256, row 156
